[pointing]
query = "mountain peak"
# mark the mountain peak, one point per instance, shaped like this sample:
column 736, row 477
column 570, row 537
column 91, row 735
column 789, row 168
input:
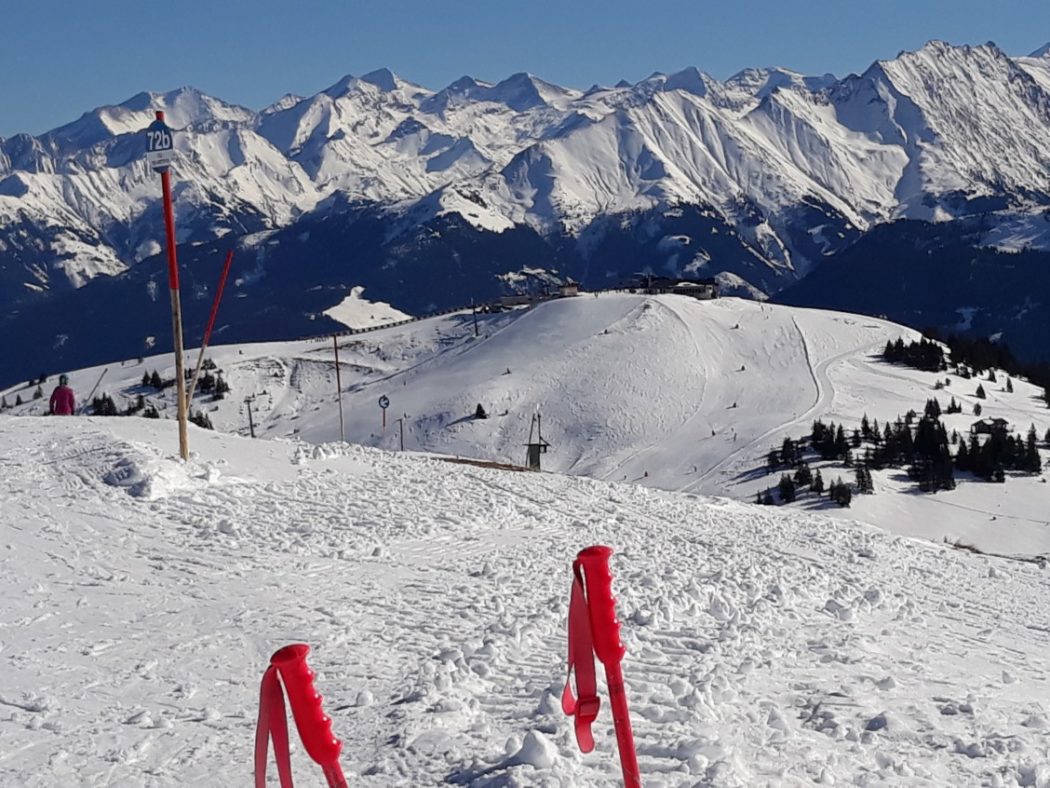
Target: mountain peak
column 691, row 80
column 382, row 78
column 1043, row 51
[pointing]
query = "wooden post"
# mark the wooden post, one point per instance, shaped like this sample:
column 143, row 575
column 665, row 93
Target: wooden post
column 251, row 424
column 160, row 142
column 339, row 388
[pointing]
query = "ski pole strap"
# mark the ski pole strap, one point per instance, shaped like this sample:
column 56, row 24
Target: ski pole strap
column 272, row 723
column 581, row 658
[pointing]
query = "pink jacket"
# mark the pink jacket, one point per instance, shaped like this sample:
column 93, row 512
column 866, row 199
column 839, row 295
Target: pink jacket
column 62, row 401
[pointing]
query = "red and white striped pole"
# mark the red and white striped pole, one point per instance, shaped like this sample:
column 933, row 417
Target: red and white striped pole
column 160, row 153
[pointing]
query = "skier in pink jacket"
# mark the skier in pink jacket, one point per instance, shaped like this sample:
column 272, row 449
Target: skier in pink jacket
column 62, row 401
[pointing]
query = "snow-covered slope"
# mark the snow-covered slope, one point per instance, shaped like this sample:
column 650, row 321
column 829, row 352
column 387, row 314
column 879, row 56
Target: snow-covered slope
column 933, row 134
column 143, row 598
column 665, row 391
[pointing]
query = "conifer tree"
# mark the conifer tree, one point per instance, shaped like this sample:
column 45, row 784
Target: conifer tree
column 18, row 399
column 803, row 476
column 39, row 393
column 980, row 392
column 817, row 485
column 145, row 379
column 786, row 489
column 977, row 409
column 1009, row 386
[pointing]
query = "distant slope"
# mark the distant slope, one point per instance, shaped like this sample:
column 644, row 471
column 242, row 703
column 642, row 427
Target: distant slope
column 664, row 391
column 936, row 275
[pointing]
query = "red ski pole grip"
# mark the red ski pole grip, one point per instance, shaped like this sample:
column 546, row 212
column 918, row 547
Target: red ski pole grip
column 605, row 628
column 315, row 727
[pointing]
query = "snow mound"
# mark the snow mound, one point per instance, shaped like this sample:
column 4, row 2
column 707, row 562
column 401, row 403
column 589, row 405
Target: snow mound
column 355, row 311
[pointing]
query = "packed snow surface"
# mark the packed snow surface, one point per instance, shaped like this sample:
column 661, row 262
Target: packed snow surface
column 143, row 597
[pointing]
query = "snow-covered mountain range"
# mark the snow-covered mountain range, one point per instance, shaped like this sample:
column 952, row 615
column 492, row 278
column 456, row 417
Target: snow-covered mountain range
column 763, row 176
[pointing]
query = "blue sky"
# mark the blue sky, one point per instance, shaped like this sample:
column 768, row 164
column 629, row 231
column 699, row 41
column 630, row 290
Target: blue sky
column 59, row 58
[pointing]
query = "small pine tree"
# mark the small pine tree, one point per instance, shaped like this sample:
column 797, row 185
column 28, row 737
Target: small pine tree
column 817, row 484
column 18, row 399
column 1009, row 386
column 786, row 489
column 39, row 393
column 3, row 403
column 155, row 381
column 991, row 376
column 977, row 409
column 842, row 494
column 980, row 392
column 479, row 412
column 145, row 379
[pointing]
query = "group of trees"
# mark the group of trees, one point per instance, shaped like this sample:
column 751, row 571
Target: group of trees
column 1001, row 452
column 972, row 356
column 790, row 485
column 104, row 405
column 201, row 419
column 924, row 354
column 208, row 383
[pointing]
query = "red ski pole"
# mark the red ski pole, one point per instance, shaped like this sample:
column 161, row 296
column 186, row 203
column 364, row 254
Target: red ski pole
column 593, row 629
column 315, row 727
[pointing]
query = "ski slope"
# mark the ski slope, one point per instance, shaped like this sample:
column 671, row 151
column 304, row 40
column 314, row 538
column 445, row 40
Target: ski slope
column 664, row 391
column 143, row 597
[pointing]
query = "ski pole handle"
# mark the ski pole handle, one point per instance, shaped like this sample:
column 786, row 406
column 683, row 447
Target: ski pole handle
column 315, row 727
column 605, row 628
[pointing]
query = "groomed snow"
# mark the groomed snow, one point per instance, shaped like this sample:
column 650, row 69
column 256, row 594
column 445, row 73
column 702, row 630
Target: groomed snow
column 142, row 598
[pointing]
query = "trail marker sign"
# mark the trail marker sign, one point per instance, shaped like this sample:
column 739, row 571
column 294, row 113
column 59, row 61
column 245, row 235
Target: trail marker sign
column 160, row 146
column 384, row 402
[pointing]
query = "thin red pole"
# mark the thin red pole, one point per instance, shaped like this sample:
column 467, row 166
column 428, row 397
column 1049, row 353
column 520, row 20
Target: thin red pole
column 211, row 324
column 622, row 722
column 218, row 296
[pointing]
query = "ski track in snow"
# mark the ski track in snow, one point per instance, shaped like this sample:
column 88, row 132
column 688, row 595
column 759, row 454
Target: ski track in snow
column 765, row 647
